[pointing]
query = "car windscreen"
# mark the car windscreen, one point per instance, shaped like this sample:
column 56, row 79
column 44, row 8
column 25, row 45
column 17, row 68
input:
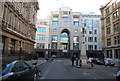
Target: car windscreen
column 6, row 68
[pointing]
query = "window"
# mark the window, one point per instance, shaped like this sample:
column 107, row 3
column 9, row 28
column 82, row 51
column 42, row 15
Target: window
column 55, row 17
column 18, row 67
column 95, row 31
column 108, row 31
column 95, row 39
column 40, row 45
column 41, row 29
column 108, row 42
column 116, row 28
column 54, row 38
column 76, row 23
column 108, row 20
column 115, row 15
column 64, row 38
column 54, row 46
column 90, row 22
column 54, row 22
column 116, row 40
column 40, row 37
column 84, row 24
column 95, row 47
column 90, row 32
column 75, row 39
column 65, row 16
column 90, row 47
column 116, row 53
column 90, row 39
column 54, row 30
column 75, row 46
column 76, row 31
column 107, row 11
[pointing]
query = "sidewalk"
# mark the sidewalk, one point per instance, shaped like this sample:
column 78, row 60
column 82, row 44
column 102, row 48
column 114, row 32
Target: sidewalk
column 40, row 62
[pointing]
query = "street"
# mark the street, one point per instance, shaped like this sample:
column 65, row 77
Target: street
column 62, row 69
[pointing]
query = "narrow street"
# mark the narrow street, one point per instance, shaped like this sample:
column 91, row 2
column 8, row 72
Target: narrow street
column 62, row 69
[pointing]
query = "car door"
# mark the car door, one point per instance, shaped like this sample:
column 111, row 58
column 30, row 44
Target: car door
column 18, row 71
column 28, row 72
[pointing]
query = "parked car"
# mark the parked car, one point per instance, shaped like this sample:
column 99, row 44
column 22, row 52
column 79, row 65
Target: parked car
column 118, row 76
column 19, row 71
column 100, row 61
column 109, row 63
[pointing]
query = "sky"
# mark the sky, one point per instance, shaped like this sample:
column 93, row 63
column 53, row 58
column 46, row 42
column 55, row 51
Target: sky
column 84, row 6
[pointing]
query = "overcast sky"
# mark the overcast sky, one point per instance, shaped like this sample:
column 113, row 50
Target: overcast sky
column 84, row 6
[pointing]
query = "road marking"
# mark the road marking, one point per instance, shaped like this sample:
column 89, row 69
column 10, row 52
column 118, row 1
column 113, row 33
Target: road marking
column 113, row 75
column 46, row 72
column 86, row 74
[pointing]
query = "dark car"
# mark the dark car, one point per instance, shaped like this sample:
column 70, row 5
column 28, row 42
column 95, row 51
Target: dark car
column 19, row 71
column 100, row 61
column 118, row 76
column 109, row 63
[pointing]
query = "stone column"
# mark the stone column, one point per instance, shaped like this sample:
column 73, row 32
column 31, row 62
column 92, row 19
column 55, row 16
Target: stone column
column 7, row 45
column 16, row 46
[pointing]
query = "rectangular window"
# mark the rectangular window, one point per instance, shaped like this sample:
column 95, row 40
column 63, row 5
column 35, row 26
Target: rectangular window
column 90, row 21
column 108, row 42
column 108, row 20
column 95, row 39
column 90, row 32
column 90, row 39
column 107, row 11
column 54, row 38
column 90, row 47
column 76, row 23
column 40, row 45
column 54, row 46
column 95, row 47
column 116, row 27
column 41, row 29
column 95, row 31
column 117, row 40
column 54, row 22
column 108, row 31
column 116, row 53
column 115, row 15
column 40, row 37
column 75, row 46
column 75, row 39
column 54, row 30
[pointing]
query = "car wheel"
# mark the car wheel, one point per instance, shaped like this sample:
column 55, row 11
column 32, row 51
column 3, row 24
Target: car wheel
column 39, row 74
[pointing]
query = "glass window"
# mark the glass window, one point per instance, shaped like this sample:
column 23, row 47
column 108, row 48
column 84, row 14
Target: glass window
column 56, row 17
column 75, row 39
column 64, row 38
column 108, row 31
column 95, row 39
column 18, row 67
column 54, row 22
column 41, row 29
column 95, row 47
column 64, row 34
column 95, row 31
column 90, row 39
column 75, row 46
column 76, row 23
column 54, row 30
column 116, row 28
column 54, row 46
column 40, row 37
column 108, row 20
column 40, row 45
column 108, row 42
column 90, row 47
column 76, row 30
column 89, row 22
column 54, row 38
column 90, row 32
